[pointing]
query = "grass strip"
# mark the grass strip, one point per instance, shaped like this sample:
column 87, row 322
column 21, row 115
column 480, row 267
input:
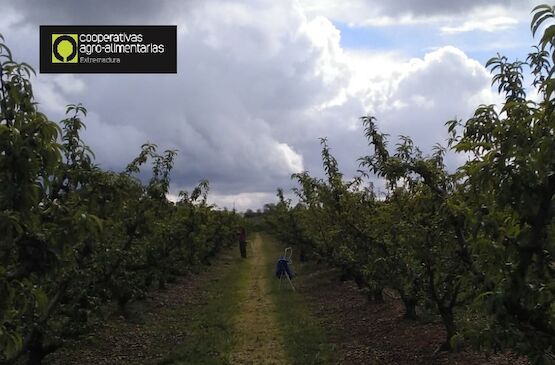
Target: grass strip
column 305, row 340
column 210, row 323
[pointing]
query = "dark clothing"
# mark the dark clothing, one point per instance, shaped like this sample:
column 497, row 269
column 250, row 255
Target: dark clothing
column 283, row 268
column 243, row 242
column 243, row 248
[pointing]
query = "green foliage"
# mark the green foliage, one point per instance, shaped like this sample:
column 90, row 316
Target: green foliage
column 475, row 246
column 513, row 179
column 75, row 237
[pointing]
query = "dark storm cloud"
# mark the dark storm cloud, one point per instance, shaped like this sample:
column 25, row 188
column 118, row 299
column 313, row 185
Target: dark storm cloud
column 90, row 12
column 436, row 7
column 259, row 82
column 396, row 12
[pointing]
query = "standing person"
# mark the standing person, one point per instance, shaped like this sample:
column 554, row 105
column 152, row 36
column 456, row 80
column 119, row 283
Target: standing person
column 243, row 242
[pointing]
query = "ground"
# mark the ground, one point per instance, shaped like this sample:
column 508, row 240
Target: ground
column 258, row 337
column 377, row 333
column 237, row 312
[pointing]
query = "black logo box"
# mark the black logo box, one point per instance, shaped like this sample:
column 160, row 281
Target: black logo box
column 130, row 62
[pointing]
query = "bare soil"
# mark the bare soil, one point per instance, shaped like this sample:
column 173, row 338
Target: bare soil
column 376, row 333
column 155, row 331
column 360, row 332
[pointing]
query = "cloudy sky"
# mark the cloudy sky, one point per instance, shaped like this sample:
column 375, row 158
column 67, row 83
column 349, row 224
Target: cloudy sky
column 259, row 81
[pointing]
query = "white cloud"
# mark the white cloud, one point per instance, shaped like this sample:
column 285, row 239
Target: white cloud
column 443, row 85
column 258, row 83
column 293, row 162
column 488, row 25
column 70, row 84
column 48, row 94
column 242, row 201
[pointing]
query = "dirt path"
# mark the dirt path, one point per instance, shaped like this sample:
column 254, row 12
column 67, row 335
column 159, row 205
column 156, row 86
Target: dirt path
column 223, row 315
column 235, row 313
column 257, row 336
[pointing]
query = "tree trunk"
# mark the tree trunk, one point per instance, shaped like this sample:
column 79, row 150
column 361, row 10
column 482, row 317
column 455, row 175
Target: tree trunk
column 36, row 353
column 345, row 275
column 122, row 305
column 303, row 255
column 375, row 295
column 162, row 282
column 359, row 280
column 410, row 306
column 448, row 319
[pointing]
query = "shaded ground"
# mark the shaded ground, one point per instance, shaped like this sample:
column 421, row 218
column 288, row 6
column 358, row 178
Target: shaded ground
column 224, row 315
column 376, row 333
column 236, row 313
column 194, row 310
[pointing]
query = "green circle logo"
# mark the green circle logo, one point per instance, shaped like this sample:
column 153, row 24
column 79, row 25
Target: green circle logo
column 64, row 48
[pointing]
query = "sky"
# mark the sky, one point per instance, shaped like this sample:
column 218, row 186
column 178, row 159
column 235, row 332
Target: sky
column 260, row 81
